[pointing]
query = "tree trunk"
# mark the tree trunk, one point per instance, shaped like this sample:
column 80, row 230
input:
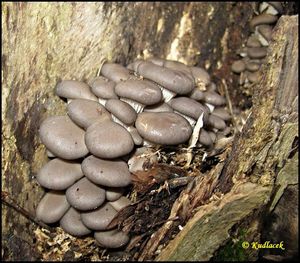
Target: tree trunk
column 46, row 42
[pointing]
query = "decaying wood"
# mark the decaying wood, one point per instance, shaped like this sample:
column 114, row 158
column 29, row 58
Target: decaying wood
column 258, row 158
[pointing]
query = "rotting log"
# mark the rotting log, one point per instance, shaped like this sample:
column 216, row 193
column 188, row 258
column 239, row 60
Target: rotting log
column 262, row 162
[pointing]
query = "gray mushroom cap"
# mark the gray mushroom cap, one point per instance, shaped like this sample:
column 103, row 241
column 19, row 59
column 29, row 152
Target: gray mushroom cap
column 204, row 138
column 216, row 122
column 72, row 224
column 257, row 52
column 197, row 94
column 122, row 110
column 113, row 193
column 85, row 195
column 120, row 203
column 252, row 66
column 59, row 174
column 112, row 238
column 142, row 91
column 222, row 113
column 73, row 89
column 253, row 42
column 99, row 218
column 189, row 107
column 63, row 138
column 175, row 81
column 52, row 207
column 108, row 140
column 265, row 31
column 115, row 72
column 165, row 128
column 113, row 173
column 160, row 107
column 84, row 112
column 262, row 19
column 200, row 75
column 104, row 88
column 214, row 98
column 238, row 66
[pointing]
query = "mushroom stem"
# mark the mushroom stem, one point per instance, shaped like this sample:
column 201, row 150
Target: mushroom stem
column 167, row 94
column 102, row 101
column 210, row 106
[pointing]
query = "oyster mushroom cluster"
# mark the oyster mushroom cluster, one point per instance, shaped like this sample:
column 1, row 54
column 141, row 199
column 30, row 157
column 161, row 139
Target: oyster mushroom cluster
column 117, row 116
column 254, row 53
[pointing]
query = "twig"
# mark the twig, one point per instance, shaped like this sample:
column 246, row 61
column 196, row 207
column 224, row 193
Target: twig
column 7, row 200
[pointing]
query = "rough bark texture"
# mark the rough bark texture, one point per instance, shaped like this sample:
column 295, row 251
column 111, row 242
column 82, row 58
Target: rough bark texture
column 262, row 162
column 46, row 42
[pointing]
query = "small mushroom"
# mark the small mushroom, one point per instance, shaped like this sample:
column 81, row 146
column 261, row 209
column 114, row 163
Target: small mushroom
column 104, row 89
column 72, row 224
column 99, row 218
column 139, row 93
column 172, row 82
column 136, row 137
column 254, row 77
column 85, row 195
column 59, row 174
column 264, row 34
column 197, row 94
column 84, row 112
column 122, row 112
column 121, row 203
column 166, row 128
column 201, row 77
column 63, row 138
column 253, row 41
column 216, row 122
column 252, row 66
column 73, row 89
column 238, row 66
column 262, row 19
column 222, row 113
column 204, row 138
column 257, row 52
column 112, row 238
column 214, row 98
column 113, row 193
column 52, row 207
column 101, row 138
column 189, row 108
column 115, row 72
column 112, row 173
column 212, row 135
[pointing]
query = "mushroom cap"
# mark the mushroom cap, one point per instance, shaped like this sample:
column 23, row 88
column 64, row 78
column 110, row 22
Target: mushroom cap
column 265, row 31
column 262, row 19
column 115, row 72
column 99, row 218
column 222, row 113
column 103, row 88
column 212, row 135
column 122, row 110
column 157, row 61
column 63, row 138
column 214, row 98
column 108, row 140
column 112, row 238
column 200, row 75
column 142, row 91
column 176, row 81
column 238, row 66
column 253, row 41
column 120, row 203
column 216, row 122
column 113, row 173
column 59, row 174
column 254, row 77
column 189, row 107
column 113, row 193
column 72, row 224
column 85, row 195
column 166, row 128
column 160, row 107
column 73, row 89
column 84, row 112
column 252, row 66
column 176, row 65
column 52, row 207
column 204, row 138
column 197, row 94
column 257, row 52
